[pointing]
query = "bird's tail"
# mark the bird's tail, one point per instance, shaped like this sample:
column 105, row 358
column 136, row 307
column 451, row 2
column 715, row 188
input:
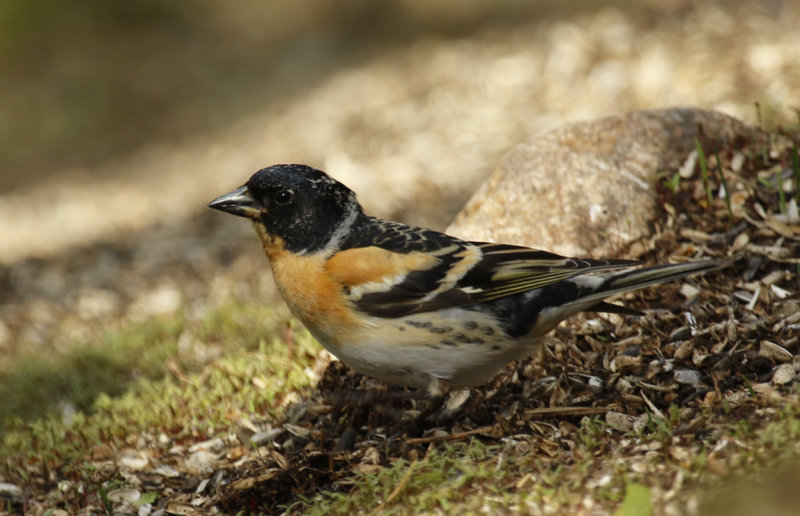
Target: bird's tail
column 587, row 292
column 609, row 284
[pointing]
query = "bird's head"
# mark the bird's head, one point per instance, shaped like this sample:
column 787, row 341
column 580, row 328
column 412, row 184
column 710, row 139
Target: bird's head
column 307, row 210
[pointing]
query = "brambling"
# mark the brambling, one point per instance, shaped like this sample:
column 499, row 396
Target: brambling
column 413, row 306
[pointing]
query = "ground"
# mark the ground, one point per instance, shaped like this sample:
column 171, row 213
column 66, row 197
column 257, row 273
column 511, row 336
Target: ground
column 618, row 413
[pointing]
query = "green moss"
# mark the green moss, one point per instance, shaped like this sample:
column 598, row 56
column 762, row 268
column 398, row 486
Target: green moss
column 36, row 386
column 121, row 406
column 441, row 482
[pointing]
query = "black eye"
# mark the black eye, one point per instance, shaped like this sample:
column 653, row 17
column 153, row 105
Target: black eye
column 283, row 197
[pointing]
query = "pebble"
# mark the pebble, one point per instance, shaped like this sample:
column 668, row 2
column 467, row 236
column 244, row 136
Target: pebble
column 687, row 377
column 783, row 374
column 133, row 462
column 619, row 421
column 124, row 494
column 200, row 462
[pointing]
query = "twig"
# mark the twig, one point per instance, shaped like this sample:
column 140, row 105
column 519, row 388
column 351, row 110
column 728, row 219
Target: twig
column 650, row 405
column 449, row 437
column 569, row 411
column 559, row 411
column 175, row 369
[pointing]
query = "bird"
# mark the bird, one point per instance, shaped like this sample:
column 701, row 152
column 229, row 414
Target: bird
column 412, row 306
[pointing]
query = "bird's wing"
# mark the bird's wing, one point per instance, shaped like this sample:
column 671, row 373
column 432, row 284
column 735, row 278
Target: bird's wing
column 394, row 276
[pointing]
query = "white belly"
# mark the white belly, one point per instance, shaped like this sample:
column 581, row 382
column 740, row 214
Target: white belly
column 465, row 348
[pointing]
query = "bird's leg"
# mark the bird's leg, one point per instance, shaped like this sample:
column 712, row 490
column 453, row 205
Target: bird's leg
column 377, row 402
column 437, row 391
column 356, row 398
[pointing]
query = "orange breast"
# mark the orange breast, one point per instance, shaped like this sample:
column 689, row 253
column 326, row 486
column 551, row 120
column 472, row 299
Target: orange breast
column 313, row 296
column 310, row 292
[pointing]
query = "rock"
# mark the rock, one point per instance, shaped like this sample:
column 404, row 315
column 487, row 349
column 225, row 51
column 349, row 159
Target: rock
column 587, row 188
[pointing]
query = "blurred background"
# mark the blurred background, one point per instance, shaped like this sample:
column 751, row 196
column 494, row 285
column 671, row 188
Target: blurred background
column 120, row 120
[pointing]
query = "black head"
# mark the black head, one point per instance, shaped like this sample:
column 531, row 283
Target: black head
column 300, row 204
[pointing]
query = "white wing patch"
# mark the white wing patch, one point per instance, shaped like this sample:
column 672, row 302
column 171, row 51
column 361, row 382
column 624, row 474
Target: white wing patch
column 468, row 258
column 356, row 293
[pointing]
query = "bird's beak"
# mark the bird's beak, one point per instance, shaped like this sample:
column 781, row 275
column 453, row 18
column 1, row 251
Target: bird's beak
column 238, row 202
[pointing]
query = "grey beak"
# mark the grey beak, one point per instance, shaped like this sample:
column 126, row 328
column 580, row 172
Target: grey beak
column 238, row 202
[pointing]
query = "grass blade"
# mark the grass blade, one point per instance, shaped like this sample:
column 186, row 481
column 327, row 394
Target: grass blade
column 724, row 186
column 796, row 169
column 701, row 158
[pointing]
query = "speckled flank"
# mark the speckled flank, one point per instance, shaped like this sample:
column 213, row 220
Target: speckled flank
column 440, row 329
column 418, row 324
column 462, row 338
column 439, row 345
